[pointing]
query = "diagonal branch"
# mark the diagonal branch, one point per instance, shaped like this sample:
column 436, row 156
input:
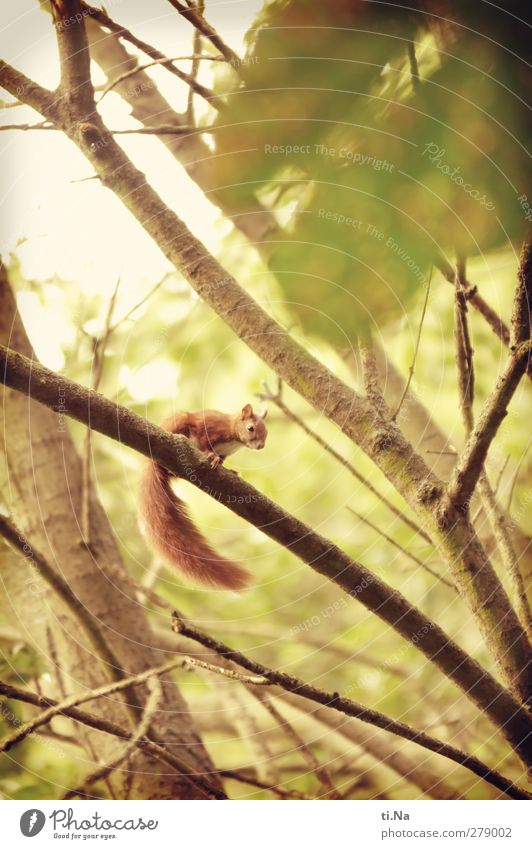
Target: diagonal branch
column 127, row 74
column 179, row 457
column 103, row 772
column 29, row 92
column 99, row 346
column 183, row 662
column 466, row 381
column 277, row 399
column 380, row 438
column 471, row 462
column 156, row 750
column 104, row 19
column 17, row 541
column 464, row 348
column 197, row 20
column 150, row 109
column 473, row 297
column 340, row 703
column 400, row 548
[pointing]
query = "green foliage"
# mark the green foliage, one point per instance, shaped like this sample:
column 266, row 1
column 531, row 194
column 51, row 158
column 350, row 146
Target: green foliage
column 372, row 169
column 366, row 199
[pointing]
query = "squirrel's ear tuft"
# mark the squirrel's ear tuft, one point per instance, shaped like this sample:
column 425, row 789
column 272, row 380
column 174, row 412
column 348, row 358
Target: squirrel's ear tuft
column 264, row 413
column 247, row 411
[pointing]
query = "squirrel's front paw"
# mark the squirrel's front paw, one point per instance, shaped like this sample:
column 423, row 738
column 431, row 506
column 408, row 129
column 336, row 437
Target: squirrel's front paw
column 214, row 460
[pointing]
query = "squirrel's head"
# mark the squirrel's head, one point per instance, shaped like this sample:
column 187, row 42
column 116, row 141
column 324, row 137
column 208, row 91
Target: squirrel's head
column 250, row 428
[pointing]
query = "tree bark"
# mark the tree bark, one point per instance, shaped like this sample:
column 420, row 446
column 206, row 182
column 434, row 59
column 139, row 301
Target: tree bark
column 43, row 492
column 177, row 455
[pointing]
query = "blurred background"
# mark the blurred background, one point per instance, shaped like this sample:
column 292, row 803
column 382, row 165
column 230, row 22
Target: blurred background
column 377, row 142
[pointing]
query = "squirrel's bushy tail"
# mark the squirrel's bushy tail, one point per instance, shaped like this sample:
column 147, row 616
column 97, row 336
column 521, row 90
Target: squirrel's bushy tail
column 173, row 535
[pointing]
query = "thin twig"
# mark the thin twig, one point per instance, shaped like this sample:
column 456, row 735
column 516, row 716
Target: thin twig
column 41, row 125
column 142, row 301
column 466, row 381
column 500, row 475
column 179, row 457
column 154, row 749
column 412, row 368
column 123, row 684
column 276, row 399
column 154, row 62
column 471, row 461
column 162, row 130
column 240, row 775
column 194, row 69
column 464, row 349
column 99, row 347
column 104, row 19
column 197, row 20
column 513, row 484
column 350, row 708
column 400, row 548
column 496, row 323
column 18, row 541
column 320, row 771
column 103, row 772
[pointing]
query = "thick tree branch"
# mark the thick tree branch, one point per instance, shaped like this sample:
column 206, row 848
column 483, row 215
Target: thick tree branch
column 521, row 321
column 177, row 455
column 343, row 705
column 380, row 438
column 404, row 762
column 380, row 745
column 75, row 88
column 30, row 93
column 18, row 542
column 320, row 771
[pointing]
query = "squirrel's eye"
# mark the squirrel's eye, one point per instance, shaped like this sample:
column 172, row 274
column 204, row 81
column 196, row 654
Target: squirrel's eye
column 251, row 428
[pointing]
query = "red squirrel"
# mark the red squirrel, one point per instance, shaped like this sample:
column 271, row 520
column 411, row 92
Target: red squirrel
column 164, row 517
